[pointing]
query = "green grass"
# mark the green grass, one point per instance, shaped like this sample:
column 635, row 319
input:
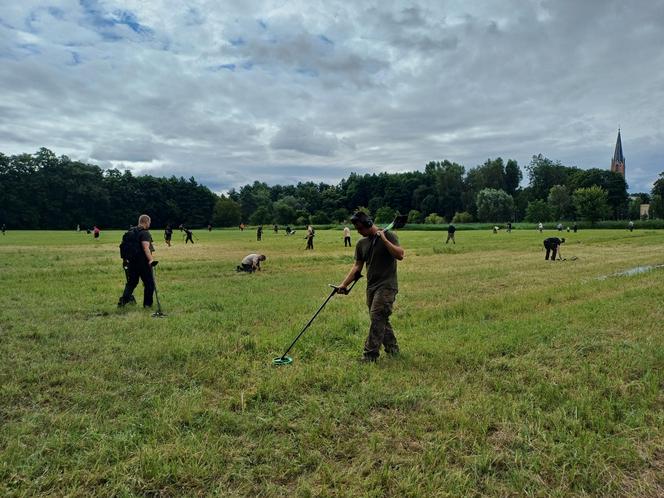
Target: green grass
column 518, row 377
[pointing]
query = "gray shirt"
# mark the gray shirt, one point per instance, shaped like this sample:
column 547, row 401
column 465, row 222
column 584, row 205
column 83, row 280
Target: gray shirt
column 251, row 259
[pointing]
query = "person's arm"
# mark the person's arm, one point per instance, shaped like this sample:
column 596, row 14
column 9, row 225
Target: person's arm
column 560, row 255
column 146, row 250
column 351, row 277
column 395, row 250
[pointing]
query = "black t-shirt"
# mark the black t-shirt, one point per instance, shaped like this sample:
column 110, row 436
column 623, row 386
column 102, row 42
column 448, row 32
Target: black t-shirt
column 381, row 265
column 168, row 233
column 144, row 236
column 451, row 229
column 552, row 241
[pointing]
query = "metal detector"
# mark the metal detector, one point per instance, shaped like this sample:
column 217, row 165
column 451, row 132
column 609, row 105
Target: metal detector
column 287, row 360
column 158, row 313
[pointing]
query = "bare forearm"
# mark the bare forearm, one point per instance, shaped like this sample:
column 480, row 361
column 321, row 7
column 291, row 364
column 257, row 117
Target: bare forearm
column 357, row 268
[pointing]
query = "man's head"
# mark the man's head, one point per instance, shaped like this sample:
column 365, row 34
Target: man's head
column 144, row 221
column 262, row 257
column 362, row 222
column 562, row 241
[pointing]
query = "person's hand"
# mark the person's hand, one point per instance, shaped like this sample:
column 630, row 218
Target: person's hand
column 381, row 234
column 342, row 290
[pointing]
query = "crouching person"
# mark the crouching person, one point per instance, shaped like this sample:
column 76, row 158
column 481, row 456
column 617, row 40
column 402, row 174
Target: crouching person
column 136, row 251
column 380, row 251
column 251, row 263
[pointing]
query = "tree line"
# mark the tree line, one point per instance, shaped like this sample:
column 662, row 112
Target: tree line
column 42, row 190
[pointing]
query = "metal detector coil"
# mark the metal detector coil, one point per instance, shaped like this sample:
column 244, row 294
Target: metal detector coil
column 282, row 360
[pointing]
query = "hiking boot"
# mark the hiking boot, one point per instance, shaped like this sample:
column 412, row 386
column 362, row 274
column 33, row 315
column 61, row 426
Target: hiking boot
column 393, row 351
column 368, row 358
column 122, row 303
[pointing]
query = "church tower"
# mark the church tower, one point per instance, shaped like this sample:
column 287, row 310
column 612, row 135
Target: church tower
column 618, row 161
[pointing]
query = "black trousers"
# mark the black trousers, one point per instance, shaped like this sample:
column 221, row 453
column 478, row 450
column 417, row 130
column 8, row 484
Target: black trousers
column 551, row 248
column 347, row 242
column 139, row 270
column 188, row 239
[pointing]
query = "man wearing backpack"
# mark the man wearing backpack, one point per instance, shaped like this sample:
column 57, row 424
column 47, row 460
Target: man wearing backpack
column 136, row 253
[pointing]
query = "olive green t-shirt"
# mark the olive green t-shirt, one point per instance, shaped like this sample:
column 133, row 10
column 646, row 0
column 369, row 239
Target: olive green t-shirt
column 381, row 265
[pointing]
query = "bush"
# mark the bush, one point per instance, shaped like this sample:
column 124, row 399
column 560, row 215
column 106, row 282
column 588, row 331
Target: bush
column 434, row 219
column 385, row 214
column 462, row 217
column 414, row 216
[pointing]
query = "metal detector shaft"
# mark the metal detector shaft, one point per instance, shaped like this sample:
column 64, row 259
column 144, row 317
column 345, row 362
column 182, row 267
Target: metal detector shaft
column 335, row 289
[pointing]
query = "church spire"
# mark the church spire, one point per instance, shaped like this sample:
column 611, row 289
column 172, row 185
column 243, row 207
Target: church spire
column 618, row 161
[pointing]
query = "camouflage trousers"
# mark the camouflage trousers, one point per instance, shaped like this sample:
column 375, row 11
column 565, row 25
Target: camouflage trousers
column 380, row 302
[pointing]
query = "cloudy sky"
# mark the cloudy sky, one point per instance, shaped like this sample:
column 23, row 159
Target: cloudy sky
column 282, row 91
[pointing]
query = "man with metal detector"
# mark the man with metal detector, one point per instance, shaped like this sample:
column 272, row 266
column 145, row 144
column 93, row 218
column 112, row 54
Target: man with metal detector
column 380, row 250
column 136, row 253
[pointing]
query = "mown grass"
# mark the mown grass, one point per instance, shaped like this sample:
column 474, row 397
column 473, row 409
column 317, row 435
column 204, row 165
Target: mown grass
column 517, row 376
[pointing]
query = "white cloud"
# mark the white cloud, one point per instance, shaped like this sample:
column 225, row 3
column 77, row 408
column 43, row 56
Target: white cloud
column 231, row 92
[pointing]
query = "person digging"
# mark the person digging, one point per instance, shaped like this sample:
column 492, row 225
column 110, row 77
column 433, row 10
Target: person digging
column 379, row 250
column 552, row 246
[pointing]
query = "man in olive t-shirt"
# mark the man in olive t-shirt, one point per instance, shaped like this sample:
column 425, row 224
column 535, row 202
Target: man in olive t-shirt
column 380, row 251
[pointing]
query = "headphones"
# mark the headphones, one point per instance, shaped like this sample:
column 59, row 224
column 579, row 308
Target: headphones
column 361, row 218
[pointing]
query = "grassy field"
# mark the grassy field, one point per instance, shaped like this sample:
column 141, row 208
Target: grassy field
column 518, row 377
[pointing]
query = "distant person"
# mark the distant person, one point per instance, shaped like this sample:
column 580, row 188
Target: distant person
column 136, row 252
column 209, row 227
column 496, row 228
column 251, row 263
column 276, row 228
column 310, row 237
column 4, row 229
column 380, row 251
column 78, row 228
column 289, row 231
column 241, row 227
column 630, row 226
column 575, row 227
column 259, row 233
column 567, row 228
column 540, row 227
column 189, row 234
column 509, row 227
column 96, row 231
column 559, row 226
column 451, row 229
column 347, row 242
column 181, row 227
column 168, row 235
column 552, row 246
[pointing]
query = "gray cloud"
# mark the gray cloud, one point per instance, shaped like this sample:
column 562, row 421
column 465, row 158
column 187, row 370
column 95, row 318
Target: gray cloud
column 288, row 91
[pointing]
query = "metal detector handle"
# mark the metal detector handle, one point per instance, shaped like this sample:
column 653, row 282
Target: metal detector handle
column 336, row 287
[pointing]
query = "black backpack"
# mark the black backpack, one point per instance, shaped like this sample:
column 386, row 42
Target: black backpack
column 130, row 247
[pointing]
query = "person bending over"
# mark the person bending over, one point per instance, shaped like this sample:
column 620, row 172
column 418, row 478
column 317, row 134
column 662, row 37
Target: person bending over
column 251, row 263
column 552, row 246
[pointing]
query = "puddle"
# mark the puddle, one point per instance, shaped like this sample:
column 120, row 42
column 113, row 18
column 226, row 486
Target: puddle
column 637, row 270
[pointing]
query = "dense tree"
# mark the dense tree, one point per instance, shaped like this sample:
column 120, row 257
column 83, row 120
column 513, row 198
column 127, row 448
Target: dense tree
column 538, row 211
column 494, row 205
column 560, row 202
column 591, row 203
column 44, row 191
column 227, row 213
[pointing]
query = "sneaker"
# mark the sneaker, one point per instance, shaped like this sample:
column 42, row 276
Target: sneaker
column 368, row 358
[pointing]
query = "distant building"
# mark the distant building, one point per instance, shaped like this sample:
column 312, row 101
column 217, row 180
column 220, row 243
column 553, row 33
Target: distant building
column 645, row 211
column 618, row 161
